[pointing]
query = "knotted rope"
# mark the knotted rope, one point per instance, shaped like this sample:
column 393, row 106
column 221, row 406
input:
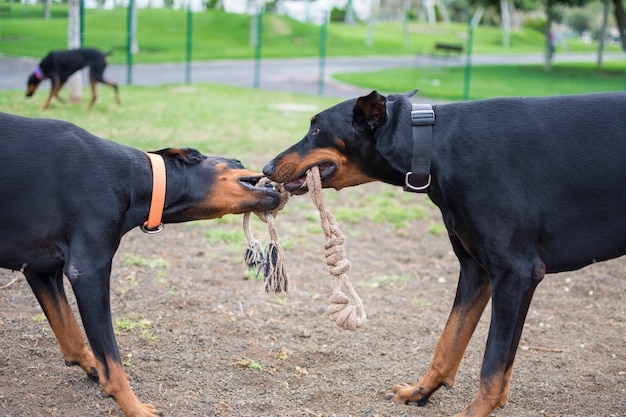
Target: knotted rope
column 272, row 261
column 349, row 317
column 345, row 315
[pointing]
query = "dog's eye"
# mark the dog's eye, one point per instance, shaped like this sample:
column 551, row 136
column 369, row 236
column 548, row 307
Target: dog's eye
column 315, row 131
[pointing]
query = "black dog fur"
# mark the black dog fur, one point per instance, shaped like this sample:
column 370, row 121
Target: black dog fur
column 58, row 66
column 526, row 186
column 66, row 199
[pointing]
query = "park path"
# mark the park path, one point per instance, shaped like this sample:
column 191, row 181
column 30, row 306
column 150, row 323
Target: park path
column 300, row 75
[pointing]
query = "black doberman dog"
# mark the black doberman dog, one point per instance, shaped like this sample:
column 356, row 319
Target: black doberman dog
column 58, row 66
column 66, row 199
column 526, row 186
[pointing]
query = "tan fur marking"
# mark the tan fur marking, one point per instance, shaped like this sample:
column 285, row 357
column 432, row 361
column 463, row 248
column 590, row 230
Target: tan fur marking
column 347, row 173
column 116, row 385
column 448, row 353
column 68, row 334
column 228, row 195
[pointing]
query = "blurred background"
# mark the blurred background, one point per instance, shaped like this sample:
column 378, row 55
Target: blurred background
column 450, row 49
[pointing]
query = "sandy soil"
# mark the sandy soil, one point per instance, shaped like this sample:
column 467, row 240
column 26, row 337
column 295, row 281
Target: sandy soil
column 208, row 342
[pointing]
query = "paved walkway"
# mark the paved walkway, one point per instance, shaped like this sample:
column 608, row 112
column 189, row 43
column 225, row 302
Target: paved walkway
column 299, row 75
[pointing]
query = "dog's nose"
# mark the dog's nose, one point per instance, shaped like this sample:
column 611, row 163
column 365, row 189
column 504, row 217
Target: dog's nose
column 268, row 169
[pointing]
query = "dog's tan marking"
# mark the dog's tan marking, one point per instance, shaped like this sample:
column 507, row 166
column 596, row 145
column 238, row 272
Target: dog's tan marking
column 68, row 334
column 114, row 381
column 347, row 173
column 448, row 353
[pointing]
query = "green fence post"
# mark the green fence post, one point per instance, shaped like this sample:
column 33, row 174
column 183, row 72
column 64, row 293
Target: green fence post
column 81, row 8
column 471, row 25
column 320, row 82
column 129, row 45
column 257, row 50
column 188, row 44
column 468, row 61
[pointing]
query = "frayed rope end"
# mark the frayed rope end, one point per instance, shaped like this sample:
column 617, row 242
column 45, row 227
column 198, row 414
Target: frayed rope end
column 274, row 271
column 253, row 257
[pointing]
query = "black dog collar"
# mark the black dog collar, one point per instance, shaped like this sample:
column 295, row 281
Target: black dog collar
column 422, row 118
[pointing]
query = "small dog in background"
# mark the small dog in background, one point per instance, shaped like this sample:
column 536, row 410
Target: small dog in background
column 58, row 66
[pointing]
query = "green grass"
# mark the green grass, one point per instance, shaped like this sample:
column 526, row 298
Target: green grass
column 447, row 83
column 132, row 260
column 216, row 34
column 135, row 323
column 217, row 120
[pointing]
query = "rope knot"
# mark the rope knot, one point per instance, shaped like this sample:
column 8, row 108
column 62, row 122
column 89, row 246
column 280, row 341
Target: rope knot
column 346, row 315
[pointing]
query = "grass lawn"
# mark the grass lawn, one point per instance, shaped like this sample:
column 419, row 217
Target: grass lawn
column 238, row 122
column 216, row 34
column 447, row 83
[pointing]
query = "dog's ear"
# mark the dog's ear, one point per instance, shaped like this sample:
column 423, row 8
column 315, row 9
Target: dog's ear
column 370, row 110
column 192, row 155
column 393, row 97
column 188, row 155
column 33, row 80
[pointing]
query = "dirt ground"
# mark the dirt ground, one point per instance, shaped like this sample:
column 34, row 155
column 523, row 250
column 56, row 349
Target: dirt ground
column 208, row 342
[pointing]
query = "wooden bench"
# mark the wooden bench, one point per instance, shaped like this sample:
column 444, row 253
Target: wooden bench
column 448, row 48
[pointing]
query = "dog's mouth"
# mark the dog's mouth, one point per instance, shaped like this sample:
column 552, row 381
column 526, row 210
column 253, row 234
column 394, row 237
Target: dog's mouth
column 269, row 197
column 251, row 182
column 298, row 185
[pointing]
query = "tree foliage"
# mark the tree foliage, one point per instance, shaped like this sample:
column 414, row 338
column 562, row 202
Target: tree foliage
column 620, row 18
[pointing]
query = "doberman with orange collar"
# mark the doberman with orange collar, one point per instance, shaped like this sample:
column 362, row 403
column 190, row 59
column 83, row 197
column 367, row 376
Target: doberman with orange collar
column 526, row 186
column 58, row 66
column 66, row 199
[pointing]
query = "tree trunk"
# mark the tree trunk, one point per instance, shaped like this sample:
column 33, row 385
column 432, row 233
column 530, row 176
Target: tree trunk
column 46, row 9
column 349, row 16
column 443, row 11
column 620, row 18
column 505, row 12
column 406, row 29
column 75, row 82
column 605, row 24
column 550, row 44
column 429, row 5
column 369, row 37
column 134, row 43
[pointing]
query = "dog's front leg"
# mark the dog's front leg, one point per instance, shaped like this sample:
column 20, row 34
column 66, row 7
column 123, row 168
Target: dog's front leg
column 57, row 84
column 48, row 288
column 513, row 288
column 472, row 295
column 91, row 287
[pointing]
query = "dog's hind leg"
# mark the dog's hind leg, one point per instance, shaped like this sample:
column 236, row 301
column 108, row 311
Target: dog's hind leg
column 514, row 282
column 90, row 283
column 48, row 289
column 94, row 96
column 472, row 294
column 93, row 81
column 96, row 75
column 115, row 90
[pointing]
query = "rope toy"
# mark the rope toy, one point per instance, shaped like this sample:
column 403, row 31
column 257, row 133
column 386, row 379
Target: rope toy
column 272, row 261
column 347, row 316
